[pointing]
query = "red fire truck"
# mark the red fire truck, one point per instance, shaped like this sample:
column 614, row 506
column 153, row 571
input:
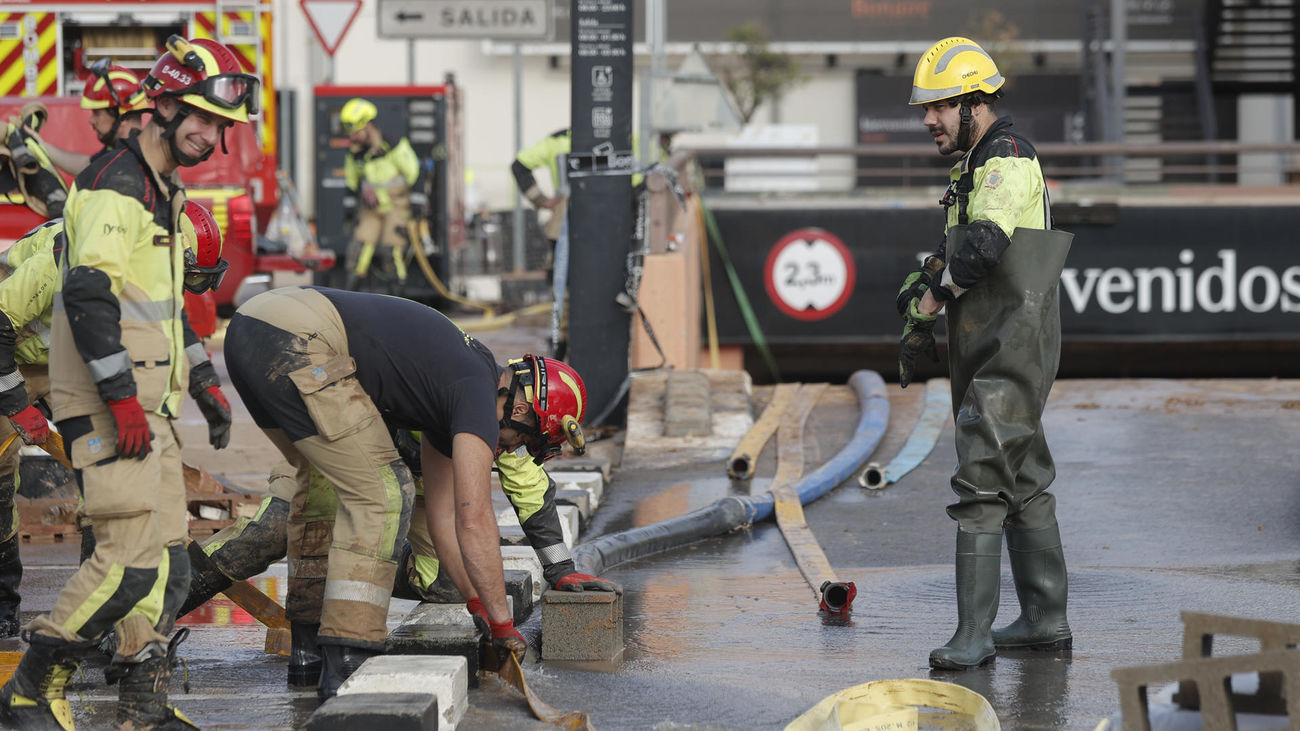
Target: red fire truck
column 47, row 48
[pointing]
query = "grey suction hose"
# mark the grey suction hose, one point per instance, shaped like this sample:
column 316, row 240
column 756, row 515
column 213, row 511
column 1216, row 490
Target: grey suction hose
column 733, row 512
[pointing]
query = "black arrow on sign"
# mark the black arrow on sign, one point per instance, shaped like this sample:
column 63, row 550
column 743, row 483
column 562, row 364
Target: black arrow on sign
column 403, row 16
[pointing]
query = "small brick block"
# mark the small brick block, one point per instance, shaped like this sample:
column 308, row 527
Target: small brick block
column 513, row 535
column 444, row 630
column 519, row 591
column 580, row 499
column 584, row 625
column 367, row 711
column 592, row 482
column 570, row 523
column 524, row 558
column 446, row 677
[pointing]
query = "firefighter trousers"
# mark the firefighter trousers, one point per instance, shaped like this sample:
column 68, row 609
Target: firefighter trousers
column 139, row 573
column 287, row 353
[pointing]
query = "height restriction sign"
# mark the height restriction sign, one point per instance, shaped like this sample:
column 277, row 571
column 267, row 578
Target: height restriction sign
column 810, row 274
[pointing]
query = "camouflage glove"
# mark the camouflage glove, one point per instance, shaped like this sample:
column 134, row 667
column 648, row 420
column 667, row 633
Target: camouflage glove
column 918, row 338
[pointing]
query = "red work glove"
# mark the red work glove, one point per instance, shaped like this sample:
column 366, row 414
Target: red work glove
column 479, row 613
column 133, row 433
column 31, row 425
column 216, row 409
column 506, row 640
column 586, row 582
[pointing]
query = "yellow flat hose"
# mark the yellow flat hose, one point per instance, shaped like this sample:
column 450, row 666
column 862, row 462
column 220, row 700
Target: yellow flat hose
column 8, row 443
column 417, row 248
column 808, row 554
column 53, row 446
column 575, row 720
column 498, row 321
column 710, row 316
column 740, row 465
column 9, row 660
column 906, row 703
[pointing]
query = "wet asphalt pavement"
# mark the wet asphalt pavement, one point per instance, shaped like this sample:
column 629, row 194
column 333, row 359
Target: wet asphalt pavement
column 1172, row 495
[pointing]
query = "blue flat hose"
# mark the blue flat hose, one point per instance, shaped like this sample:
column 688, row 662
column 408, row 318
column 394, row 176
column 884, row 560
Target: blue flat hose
column 732, row 512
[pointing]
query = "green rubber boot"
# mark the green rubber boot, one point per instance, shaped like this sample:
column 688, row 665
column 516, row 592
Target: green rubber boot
column 979, row 558
column 1038, row 566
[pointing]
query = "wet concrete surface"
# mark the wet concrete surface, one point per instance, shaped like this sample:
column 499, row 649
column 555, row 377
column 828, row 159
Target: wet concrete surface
column 1172, row 495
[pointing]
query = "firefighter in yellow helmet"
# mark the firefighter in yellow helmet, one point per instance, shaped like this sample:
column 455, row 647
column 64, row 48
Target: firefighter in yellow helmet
column 119, row 368
column 380, row 172
column 996, row 273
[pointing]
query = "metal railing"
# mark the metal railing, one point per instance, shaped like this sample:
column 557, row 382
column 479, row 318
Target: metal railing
column 913, row 165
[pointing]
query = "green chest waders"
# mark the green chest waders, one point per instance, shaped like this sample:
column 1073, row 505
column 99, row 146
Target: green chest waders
column 1004, row 346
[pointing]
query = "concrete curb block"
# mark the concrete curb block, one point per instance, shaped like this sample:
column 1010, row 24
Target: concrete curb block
column 524, row 558
column 368, row 711
column 592, row 482
column 445, row 676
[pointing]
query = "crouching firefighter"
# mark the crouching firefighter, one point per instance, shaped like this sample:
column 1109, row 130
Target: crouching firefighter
column 996, row 273
column 119, row 368
column 250, row 545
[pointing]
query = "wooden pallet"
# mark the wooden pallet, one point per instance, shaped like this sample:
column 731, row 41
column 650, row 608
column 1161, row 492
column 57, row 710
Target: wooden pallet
column 1205, row 681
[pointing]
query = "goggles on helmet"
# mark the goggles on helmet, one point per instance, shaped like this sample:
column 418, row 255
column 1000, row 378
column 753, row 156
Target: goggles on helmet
column 200, row 279
column 228, row 91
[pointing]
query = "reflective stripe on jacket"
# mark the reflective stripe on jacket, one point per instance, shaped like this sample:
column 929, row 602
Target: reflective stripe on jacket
column 382, row 167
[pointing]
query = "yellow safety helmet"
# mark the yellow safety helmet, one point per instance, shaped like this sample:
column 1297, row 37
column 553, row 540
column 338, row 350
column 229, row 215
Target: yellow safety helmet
column 357, row 113
column 953, row 67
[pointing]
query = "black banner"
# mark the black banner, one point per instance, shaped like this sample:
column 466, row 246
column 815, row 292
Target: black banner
column 1144, row 272
column 600, row 205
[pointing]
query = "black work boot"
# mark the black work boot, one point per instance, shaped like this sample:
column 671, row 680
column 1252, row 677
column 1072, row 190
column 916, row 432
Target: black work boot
column 11, row 575
column 33, row 698
column 406, row 582
column 206, row 580
column 304, row 655
column 142, row 690
column 338, row 662
column 1038, row 567
column 978, row 568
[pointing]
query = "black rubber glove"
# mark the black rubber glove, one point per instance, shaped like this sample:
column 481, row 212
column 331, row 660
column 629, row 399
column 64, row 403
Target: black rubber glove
column 918, row 338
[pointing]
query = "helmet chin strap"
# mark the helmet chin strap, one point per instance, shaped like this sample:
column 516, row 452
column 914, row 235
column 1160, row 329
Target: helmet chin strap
column 169, row 133
column 966, row 128
column 110, row 136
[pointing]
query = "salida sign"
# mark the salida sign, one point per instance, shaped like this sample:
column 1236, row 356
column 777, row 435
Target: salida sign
column 488, row 19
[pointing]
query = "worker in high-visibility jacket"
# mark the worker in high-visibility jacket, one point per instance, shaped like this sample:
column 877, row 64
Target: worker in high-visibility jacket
column 996, row 274
column 27, row 303
column 118, row 370
column 380, row 172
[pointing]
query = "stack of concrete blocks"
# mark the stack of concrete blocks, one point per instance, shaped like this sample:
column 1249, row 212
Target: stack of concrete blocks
column 432, row 659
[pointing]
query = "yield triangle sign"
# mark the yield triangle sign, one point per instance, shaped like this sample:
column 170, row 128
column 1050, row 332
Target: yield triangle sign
column 330, row 20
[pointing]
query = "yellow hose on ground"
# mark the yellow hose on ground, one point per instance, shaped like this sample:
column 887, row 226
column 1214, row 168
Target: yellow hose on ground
column 907, row 703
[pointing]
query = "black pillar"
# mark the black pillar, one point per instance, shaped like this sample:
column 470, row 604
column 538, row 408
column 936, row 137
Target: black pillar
column 600, row 197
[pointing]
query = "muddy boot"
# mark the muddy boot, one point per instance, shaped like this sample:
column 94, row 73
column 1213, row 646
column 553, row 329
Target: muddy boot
column 407, row 582
column 142, row 690
column 978, row 568
column 11, row 575
column 33, row 698
column 206, row 580
column 1038, row 567
column 338, row 662
column 304, row 655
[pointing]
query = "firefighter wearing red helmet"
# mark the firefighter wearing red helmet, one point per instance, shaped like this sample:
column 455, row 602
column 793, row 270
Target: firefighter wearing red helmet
column 117, row 105
column 327, row 373
column 119, row 367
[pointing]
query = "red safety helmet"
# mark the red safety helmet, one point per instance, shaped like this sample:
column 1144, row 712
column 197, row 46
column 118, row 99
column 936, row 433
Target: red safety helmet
column 115, row 88
column 559, row 399
column 204, row 267
column 204, row 74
